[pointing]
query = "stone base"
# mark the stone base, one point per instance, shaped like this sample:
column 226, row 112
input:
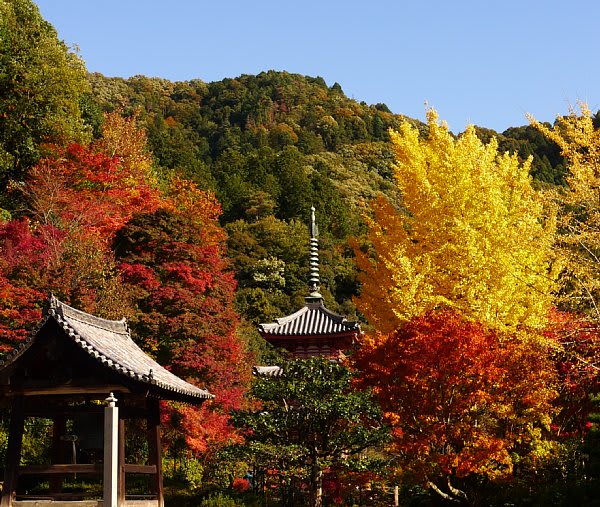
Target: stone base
column 57, row 503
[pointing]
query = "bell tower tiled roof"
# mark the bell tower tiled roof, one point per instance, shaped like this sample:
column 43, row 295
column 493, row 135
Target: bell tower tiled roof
column 109, row 343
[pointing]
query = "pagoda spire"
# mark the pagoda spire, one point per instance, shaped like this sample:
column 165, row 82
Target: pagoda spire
column 313, row 330
column 314, row 280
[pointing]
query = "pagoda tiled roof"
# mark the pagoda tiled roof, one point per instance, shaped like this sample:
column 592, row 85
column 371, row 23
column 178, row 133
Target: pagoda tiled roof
column 313, row 319
column 109, row 342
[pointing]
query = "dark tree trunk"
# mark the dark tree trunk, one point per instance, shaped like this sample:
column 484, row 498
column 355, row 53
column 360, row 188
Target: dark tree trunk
column 316, row 486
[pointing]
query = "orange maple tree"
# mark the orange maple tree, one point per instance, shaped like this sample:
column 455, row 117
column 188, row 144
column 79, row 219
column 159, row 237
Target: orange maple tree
column 460, row 399
column 173, row 263
column 95, row 188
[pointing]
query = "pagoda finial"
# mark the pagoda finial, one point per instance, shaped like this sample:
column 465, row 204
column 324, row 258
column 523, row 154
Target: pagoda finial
column 314, row 230
column 314, row 281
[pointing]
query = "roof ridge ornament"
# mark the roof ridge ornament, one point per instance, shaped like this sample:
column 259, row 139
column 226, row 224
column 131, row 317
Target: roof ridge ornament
column 314, row 280
column 50, row 305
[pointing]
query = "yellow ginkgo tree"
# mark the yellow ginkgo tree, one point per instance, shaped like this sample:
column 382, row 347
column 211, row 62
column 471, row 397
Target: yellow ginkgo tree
column 578, row 216
column 470, row 234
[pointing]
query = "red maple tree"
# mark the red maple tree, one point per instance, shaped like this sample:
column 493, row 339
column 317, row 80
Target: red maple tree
column 577, row 361
column 459, row 398
column 103, row 238
column 174, row 265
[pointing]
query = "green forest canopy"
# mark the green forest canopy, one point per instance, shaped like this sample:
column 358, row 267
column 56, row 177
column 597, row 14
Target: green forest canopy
column 271, row 146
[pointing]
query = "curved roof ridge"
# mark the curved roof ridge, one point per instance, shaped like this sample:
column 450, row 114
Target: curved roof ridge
column 312, row 319
column 284, row 320
column 114, row 326
column 90, row 348
column 334, row 315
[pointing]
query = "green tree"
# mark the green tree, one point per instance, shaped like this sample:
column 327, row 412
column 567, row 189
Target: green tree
column 296, row 196
column 41, row 85
column 249, row 244
column 548, row 165
column 310, row 419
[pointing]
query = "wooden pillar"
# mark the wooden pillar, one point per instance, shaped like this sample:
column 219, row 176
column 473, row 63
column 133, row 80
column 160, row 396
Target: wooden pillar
column 13, row 451
column 110, row 478
column 121, row 481
column 155, row 448
column 59, row 427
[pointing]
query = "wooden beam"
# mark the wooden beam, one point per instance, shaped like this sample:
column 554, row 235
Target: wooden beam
column 62, row 468
column 155, row 447
column 58, row 500
column 13, row 452
column 45, row 502
column 131, row 468
column 98, row 392
column 42, row 409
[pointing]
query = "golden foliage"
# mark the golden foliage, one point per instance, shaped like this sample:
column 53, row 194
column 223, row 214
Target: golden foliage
column 473, row 236
column 578, row 207
column 122, row 137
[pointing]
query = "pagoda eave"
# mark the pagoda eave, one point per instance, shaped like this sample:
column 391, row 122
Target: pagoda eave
column 309, row 337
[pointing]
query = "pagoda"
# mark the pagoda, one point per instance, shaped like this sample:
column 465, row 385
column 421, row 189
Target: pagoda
column 313, row 330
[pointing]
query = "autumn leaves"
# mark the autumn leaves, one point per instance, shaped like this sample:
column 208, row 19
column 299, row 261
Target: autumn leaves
column 472, row 235
column 106, row 235
column 459, row 283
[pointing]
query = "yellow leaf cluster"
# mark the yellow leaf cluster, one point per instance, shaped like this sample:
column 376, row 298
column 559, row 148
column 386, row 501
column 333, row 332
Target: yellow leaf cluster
column 123, row 138
column 578, row 207
column 473, row 235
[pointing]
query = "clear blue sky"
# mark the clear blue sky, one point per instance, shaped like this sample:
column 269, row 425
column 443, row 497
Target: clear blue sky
column 478, row 62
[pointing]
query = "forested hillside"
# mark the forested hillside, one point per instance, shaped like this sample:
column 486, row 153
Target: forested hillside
column 268, row 146
column 271, row 146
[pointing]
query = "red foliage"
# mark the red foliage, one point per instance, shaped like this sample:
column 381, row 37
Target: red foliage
column 241, row 485
column 26, row 257
column 19, row 313
column 458, row 398
column 27, row 254
column 84, row 188
column 87, row 201
column 205, row 429
column 173, row 263
column 142, row 277
column 576, row 358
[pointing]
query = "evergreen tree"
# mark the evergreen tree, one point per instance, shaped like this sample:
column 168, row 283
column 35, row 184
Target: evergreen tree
column 310, row 419
column 41, row 85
